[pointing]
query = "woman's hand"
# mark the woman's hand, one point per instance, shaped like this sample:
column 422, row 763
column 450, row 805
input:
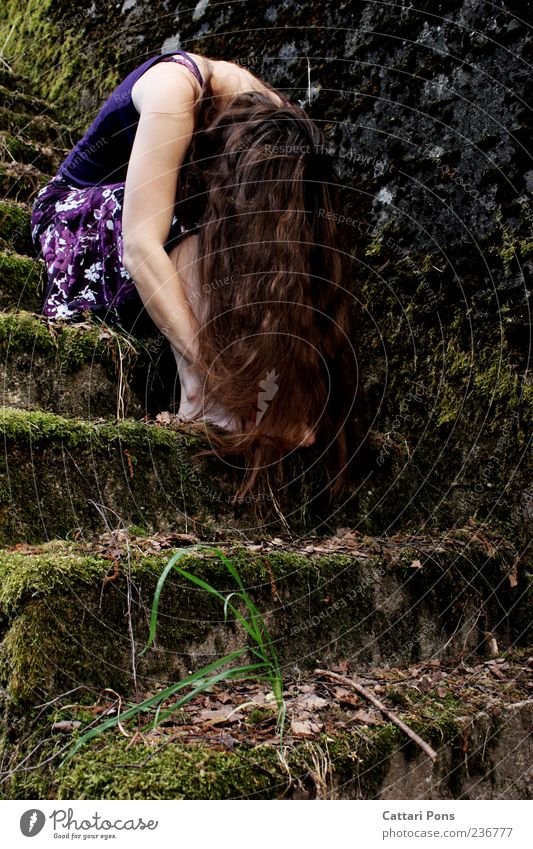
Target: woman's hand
column 191, row 387
column 191, row 406
column 192, row 401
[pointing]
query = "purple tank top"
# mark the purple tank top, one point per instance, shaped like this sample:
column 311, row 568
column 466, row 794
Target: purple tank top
column 102, row 155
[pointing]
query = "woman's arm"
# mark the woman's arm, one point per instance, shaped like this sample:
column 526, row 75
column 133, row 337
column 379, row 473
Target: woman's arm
column 184, row 257
column 166, row 124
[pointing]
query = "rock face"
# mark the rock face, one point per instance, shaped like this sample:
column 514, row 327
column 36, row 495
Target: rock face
column 425, row 113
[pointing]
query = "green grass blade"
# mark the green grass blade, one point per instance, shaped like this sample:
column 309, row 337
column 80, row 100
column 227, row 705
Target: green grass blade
column 226, row 604
column 164, row 575
column 254, row 626
column 201, row 583
column 259, row 629
column 221, row 676
column 246, row 598
column 262, row 630
column 152, row 700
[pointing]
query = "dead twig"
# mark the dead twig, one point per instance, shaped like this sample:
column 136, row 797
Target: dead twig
column 343, row 679
column 119, row 699
column 273, row 587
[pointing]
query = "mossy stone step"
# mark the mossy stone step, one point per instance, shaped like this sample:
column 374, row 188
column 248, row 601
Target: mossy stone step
column 15, row 227
column 320, row 608
column 14, row 100
column 35, row 128
column 81, row 369
column 22, row 282
column 20, row 182
column 44, row 158
column 15, row 83
column 474, row 762
column 59, row 475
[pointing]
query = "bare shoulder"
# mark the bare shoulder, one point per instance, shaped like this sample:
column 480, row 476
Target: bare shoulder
column 165, row 83
column 231, row 78
column 239, row 79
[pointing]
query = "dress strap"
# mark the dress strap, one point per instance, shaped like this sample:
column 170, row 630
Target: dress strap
column 188, row 62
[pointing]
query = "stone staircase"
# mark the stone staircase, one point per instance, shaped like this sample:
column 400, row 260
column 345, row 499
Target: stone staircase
column 94, row 496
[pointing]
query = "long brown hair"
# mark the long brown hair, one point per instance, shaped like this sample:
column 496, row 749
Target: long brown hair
column 274, row 270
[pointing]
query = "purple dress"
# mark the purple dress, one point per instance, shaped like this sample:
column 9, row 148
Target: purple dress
column 76, row 220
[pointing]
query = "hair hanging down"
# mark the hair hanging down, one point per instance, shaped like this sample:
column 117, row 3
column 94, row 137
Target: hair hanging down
column 260, row 185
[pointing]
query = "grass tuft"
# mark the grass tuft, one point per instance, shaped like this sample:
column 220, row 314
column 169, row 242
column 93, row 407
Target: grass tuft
column 265, row 665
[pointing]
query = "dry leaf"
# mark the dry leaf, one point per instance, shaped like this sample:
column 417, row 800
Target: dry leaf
column 366, row 718
column 311, row 703
column 305, row 728
column 217, row 717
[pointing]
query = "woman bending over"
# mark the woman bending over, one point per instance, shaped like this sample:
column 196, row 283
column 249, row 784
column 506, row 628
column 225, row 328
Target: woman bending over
column 203, row 195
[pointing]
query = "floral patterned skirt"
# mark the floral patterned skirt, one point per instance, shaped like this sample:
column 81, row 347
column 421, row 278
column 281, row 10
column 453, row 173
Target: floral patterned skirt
column 78, row 234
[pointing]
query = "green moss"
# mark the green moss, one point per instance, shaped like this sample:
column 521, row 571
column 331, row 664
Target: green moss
column 23, row 576
column 66, row 463
column 35, row 128
column 15, row 228
column 37, row 426
column 512, row 246
column 497, row 383
column 358, row 764
column 22, row 281
column 399, row 697
column 41, row 157
column 18, row 101
column 178, row 772
column 492, row 381
column 71, row 344
column 374, row 248
column 258, row 714
column 53, row 53
column 138, row 531
column 20, row 182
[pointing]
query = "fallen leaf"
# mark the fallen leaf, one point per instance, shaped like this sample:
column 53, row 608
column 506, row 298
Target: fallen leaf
column 217, row 717
column 496, row 672
column 311, row 703
column 227, row 740
column 305, row 728
column 366, row 718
